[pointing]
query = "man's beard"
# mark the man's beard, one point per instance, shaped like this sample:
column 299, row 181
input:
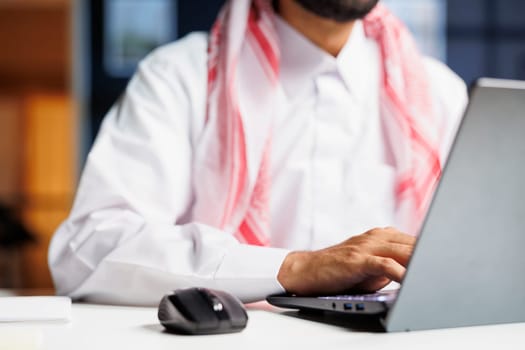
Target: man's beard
column 339, row 10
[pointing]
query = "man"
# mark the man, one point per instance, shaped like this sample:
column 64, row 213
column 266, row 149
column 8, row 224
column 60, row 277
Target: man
column 240, row 162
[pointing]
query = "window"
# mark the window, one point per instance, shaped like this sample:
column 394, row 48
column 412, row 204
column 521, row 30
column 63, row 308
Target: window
column 427, row 20
column 132, row 29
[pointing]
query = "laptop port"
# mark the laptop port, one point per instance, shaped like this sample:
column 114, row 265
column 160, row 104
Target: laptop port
column 360, row 307
column 348, row 306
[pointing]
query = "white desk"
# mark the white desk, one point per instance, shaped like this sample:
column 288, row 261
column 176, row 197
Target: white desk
column 114, row 327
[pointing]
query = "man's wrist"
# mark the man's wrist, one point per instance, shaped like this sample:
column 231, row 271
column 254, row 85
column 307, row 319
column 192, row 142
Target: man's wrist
column 290, row 274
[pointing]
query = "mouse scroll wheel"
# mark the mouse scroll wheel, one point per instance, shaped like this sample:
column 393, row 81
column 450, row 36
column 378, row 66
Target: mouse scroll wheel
column 217, row 305
column 219, row 309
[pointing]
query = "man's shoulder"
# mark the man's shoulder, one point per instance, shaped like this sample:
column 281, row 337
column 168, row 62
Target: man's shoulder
column 450, row 99
column 448, row 89
column 188, row 51
column 444, row 82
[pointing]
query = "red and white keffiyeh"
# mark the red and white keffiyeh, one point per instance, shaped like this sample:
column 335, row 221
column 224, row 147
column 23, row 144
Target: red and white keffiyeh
column 234, row 188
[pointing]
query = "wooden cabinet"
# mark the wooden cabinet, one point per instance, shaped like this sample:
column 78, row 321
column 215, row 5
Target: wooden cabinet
column 48, row 176
column 35, row 42
column 38, row 126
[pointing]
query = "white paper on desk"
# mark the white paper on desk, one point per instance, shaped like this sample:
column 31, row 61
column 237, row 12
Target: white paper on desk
column 45, row 308
column 21, row 338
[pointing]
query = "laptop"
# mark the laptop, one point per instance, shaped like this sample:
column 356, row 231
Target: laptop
column 468, row 266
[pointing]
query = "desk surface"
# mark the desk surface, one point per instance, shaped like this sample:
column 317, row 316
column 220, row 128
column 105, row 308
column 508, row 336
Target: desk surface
column 117, row 327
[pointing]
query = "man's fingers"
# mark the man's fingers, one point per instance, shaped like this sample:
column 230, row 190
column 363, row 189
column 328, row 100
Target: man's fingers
column 392, row 235
column 387, row 267
column 399, row 252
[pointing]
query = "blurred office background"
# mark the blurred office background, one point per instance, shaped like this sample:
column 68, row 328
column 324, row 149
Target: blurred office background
column 64, row 62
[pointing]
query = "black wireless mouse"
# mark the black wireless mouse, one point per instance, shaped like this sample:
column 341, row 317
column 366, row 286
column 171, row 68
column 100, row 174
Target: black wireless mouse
column 201, row 311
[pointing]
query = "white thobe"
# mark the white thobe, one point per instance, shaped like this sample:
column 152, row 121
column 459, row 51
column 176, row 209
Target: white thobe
column 130, row 239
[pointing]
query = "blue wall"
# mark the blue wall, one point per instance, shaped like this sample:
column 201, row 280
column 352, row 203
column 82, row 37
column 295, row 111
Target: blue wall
column 486, row 38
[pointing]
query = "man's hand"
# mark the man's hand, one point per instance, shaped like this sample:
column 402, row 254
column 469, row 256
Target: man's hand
column 367, row 262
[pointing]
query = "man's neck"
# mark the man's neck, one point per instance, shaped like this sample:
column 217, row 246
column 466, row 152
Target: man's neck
column 329, row 35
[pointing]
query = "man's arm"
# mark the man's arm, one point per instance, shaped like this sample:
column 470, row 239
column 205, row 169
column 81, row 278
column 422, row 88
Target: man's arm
column 130, row 237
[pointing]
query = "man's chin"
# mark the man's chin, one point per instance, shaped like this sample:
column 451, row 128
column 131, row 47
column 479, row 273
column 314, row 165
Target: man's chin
column 339, row 10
